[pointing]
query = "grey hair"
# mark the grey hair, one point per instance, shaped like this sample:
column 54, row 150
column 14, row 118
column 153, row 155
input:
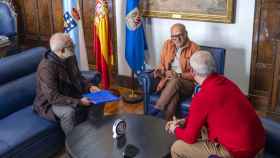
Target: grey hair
column 181, row 26
column 202, row 63
column 58, row 41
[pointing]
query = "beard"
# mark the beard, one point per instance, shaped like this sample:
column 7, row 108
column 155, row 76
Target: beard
column 67, row 53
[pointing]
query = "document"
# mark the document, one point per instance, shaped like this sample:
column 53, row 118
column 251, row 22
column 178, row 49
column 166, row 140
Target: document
column 100, row 97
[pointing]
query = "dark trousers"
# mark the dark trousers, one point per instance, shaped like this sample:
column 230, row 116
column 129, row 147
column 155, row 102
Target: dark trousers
column 174, row 90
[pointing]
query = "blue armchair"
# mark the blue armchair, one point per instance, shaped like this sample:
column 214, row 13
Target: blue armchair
column 146, row 80
column 23, row 134
column 8, row 19
column 271, row 149
column 272, row 129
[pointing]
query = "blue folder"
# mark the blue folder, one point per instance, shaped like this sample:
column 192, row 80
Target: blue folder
column 101, row 97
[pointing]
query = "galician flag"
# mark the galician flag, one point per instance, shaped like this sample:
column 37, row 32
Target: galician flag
column 102, row 45
column 135, row 37
column 74, row 27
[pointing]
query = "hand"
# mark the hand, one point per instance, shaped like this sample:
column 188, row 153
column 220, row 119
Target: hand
column 172, row 124
column 180, row 122
column 93, row 89
column 172, row 128
column 158, row 73
column 85, row 101
column 170, row 74
column 167, row 126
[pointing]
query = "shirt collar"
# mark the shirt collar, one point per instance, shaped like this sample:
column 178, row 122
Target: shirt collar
column 185, row 46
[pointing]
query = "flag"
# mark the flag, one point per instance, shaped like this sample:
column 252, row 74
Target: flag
column 102, row 46
column 74, row 27
column 135, row 37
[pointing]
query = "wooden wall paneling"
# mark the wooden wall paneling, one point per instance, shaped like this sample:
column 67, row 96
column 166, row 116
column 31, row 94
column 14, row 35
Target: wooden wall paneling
column 42, row 18
column 276, row 85
column 30, row 18
column 88, row 10
column 57, row 16
column 254, row 48
column 45, row 19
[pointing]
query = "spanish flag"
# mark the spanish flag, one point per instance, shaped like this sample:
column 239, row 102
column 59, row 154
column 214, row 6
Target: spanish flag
column 102, row 46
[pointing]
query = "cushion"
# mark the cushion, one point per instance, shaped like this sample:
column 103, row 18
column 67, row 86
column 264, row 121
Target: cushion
column 22, row 64
column 268, row 155
column 23, row 128
column 17, row 94
column 272, row 129
column 3, row 147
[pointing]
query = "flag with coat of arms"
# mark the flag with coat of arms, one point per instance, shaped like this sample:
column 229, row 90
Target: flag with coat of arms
column 135, row 37
column 73, row 26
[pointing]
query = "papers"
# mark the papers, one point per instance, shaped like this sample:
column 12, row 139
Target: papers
column 101, row 97
column 4, row 41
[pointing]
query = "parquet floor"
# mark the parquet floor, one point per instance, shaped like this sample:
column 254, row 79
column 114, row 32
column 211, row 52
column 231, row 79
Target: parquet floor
column 121, row 107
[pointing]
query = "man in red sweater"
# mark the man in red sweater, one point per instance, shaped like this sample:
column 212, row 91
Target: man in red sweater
column 221, row 109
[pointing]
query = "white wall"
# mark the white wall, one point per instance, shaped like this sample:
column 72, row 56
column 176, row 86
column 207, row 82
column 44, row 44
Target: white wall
column 235, row 38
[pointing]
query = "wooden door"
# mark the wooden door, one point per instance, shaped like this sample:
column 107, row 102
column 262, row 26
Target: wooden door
column 266, row 28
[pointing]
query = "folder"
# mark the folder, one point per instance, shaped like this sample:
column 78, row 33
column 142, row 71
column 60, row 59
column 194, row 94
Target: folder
column 101, row 97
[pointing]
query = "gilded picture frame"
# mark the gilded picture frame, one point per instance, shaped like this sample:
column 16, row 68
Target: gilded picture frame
column 200, row 10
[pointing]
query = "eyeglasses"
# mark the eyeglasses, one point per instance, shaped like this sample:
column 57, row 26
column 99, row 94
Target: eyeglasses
column 180, row 35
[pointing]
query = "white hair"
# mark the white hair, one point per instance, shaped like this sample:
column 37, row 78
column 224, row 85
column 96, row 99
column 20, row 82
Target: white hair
column 202, row 63
column 59, row 41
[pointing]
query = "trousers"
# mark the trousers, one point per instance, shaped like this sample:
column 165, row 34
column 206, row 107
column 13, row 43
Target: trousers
column 174, row 90
column 70, row 116
column 203, row 148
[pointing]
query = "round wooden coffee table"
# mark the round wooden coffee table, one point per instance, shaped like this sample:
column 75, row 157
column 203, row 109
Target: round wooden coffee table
column 94, row 138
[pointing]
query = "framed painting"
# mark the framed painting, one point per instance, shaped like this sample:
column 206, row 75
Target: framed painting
column 200, row 10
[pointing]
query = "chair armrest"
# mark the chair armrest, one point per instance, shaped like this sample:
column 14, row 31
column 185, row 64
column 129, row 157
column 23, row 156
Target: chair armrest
column 146, row 81
column 93, row 76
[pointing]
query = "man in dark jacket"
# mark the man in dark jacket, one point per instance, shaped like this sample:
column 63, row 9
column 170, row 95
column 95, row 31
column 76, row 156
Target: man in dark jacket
column 60, row 85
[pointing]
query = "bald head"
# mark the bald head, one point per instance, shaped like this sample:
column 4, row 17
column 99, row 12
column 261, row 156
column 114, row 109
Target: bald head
column 202, row 63
column 61, row 44
column 179, row 35
column 59, row 41
column 178, row 26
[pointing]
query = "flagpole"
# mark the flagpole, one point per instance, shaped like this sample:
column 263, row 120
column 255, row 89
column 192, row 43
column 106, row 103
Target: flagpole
column 132, row 96
column 134, row 47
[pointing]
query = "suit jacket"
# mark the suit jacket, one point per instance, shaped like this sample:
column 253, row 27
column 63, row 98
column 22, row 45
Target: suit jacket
column 58, row 83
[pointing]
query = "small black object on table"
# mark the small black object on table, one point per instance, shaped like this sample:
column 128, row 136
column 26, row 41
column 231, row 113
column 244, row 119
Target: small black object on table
column 145, row 137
